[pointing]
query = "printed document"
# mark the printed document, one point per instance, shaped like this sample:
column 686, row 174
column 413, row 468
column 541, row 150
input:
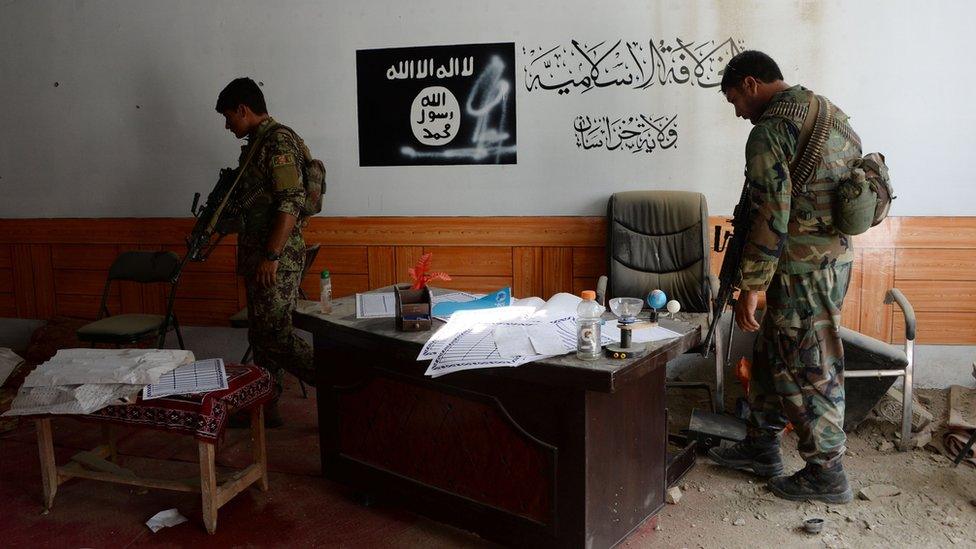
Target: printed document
column 201, row 376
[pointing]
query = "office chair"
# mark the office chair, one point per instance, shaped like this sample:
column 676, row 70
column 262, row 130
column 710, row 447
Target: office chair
column 660, row 240
column 239, row 320
column 866, row 357
column 122, row 329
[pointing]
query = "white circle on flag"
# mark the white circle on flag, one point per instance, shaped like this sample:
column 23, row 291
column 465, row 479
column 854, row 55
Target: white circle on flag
column 435, row 116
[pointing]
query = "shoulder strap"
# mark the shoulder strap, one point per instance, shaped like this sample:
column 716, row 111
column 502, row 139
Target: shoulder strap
column 813, row 137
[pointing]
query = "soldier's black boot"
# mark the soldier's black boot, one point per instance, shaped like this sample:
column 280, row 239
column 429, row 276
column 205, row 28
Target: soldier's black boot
column 757, row 454
column 814, row 482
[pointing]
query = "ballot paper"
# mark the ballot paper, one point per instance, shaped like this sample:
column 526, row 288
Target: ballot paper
column 127, row 366
column 9, row 361
column 468, row 340
column 201, row 376
column 375, row 305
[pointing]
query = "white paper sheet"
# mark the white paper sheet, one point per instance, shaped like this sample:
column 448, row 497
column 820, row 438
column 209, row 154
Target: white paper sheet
column 164, row 519
column 9, row 361
column 642, row 335
column 98, row 366
column 375, row 305
column 201, row 376
column 71, row 399
column 470, row 339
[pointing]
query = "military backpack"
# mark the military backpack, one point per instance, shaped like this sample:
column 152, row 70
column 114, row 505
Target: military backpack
column 313, row 176
column 863, row 199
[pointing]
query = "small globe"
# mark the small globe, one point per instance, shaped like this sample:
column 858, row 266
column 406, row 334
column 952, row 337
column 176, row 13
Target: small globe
column 657, row 299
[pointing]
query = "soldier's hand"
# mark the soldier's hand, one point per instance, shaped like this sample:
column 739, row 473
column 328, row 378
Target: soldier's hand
column 267, row 274
column 745, row 311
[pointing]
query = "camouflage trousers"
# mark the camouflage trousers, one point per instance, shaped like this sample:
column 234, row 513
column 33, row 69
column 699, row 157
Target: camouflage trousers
column 798, row 365
column 276, row 346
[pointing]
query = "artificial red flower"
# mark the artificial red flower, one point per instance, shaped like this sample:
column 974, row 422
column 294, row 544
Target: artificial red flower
column 420, row 275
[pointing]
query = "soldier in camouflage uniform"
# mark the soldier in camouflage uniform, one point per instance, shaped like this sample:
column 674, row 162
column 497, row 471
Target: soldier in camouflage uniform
column 270, row 247
column 803, row 264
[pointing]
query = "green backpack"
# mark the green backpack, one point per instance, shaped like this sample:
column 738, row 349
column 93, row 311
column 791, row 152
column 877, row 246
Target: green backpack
column 313, row 176
column 864, row 199
column 861, row 200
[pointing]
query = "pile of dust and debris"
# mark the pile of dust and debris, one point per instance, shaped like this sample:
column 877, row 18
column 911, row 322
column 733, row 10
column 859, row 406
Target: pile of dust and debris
column 920, row 500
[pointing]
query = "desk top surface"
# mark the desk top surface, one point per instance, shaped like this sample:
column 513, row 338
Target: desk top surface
column 604, row 374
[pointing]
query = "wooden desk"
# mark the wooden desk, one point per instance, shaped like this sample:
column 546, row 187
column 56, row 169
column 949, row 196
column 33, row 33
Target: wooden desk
column 560, row 452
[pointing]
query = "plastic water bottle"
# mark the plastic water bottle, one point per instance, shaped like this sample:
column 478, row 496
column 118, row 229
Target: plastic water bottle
column 588, row 320
column 325, row 295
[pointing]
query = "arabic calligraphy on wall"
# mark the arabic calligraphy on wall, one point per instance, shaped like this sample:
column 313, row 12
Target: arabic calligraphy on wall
column 437, row 105
column 638, row 133
column 635, row 64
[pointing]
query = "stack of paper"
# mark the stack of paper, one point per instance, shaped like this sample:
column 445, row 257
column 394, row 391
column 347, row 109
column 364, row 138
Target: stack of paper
column 81, row 381
column 503, row 336
column 530, row 329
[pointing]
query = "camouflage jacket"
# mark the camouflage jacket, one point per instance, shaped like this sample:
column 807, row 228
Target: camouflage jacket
column 792, row 233
column 271, row 183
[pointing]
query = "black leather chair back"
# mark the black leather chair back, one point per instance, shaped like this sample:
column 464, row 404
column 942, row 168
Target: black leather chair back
column 659, row 239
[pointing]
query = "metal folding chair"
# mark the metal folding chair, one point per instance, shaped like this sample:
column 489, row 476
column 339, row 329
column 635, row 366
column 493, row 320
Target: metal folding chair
column 122, row 329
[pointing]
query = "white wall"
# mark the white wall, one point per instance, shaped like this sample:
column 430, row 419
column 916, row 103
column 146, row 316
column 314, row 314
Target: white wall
column 130, row 128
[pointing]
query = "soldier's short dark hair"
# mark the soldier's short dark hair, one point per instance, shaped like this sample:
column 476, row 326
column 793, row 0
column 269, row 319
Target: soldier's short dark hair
column 750, row 63
column 242, row 91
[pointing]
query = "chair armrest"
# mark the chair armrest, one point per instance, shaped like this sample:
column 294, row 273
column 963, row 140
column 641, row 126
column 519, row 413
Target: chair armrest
column 895, row 295
column 601, row 290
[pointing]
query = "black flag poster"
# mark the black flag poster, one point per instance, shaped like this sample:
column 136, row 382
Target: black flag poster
column 437, row 105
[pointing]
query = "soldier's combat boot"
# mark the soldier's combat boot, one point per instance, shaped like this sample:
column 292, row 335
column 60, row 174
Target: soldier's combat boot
column 759, row 455
column 814, row 482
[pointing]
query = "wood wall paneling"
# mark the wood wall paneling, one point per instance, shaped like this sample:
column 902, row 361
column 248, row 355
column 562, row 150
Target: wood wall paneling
column 8, row 308
column 557, row 270
column 214, row 286
column 406, row 257
column 23, row 273
column 94, row 257
column 471, row 260
column 7, row 281
column 942, row 296
column 84, row 306
column 527, row 271
column 6, row 262
column 877, row 277
column 58, row 266
column 381, row 261
column 937, row 327
column 43, row 272
column 932, row 265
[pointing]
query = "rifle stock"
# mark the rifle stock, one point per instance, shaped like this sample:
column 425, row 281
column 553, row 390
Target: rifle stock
column 729, row 280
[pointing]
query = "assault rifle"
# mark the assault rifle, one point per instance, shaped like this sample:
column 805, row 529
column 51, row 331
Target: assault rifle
column 217, row 208
column 733, row 244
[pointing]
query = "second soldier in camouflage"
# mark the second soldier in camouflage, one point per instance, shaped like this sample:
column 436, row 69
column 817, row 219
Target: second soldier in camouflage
column 803, row 264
